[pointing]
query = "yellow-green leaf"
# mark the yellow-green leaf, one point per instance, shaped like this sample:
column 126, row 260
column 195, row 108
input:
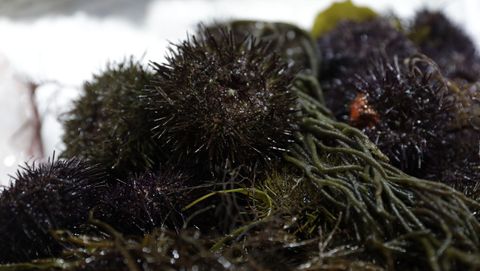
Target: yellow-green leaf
column 340, row 11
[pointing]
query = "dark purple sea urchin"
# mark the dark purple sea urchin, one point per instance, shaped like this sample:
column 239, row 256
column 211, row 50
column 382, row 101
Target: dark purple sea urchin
column 375, row 79
column 45, row 197
column 447, row 44
column 219, row 101
column 406, row 111
column 459, row 165
column 293, row 44
column 348, row 49
column 146, row 201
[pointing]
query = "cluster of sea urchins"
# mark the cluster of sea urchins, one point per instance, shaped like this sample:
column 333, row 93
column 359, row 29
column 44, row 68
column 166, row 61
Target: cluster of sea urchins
column 144, row 146
column 219, row 101
column 376, row 79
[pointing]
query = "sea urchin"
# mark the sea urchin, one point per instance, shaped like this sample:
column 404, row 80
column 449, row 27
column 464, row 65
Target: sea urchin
column 110, row 124
column 219, row 101
column 42, row 198
column 404, row 108
column 145, row 201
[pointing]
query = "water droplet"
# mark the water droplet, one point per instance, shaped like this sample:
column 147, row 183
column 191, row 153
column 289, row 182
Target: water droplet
column 175, row 254
column 9, row 160
column 226, row 264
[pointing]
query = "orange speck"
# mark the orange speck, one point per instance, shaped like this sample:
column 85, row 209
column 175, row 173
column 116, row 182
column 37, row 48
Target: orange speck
column 361, row 113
